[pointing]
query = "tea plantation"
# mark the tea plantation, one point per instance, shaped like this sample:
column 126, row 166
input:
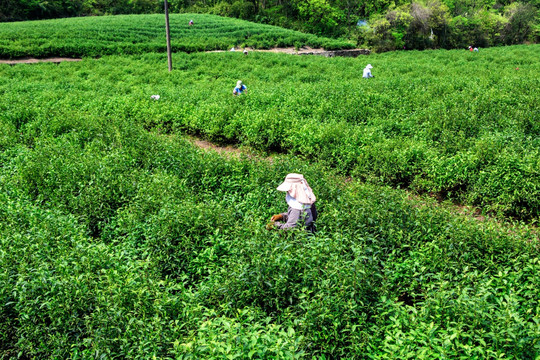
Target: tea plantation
column 121, row 239
column 139, row 34
column 460, row 125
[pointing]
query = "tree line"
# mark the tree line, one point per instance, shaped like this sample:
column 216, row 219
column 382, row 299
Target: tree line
column 381, row 25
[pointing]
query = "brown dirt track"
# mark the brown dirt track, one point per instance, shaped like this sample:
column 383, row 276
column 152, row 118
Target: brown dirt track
column 34, row 61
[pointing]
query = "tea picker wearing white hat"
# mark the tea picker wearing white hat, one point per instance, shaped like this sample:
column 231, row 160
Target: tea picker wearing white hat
column 239, row 89
column 367, row 72
column 301, row 201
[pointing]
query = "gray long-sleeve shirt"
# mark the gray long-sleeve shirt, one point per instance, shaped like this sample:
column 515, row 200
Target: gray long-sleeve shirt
column 292, row 216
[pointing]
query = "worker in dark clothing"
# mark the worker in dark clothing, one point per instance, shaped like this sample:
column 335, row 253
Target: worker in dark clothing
column 301, row 202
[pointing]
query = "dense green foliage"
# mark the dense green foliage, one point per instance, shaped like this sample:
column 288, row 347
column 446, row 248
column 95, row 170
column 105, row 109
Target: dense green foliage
column 440, row 25
column 119, row 239
column 415, row 24
column 139, row 34
column 119, row 242
column 461, row 125
column 17, row 10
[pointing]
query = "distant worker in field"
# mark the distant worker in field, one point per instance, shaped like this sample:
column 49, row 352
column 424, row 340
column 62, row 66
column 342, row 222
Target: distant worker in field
column 240, row 88
column 190, row 22
column 232, row 49
column 367, row 72
column 475, row 49
column 470, row 48
column 301, row 202
column 245, row 51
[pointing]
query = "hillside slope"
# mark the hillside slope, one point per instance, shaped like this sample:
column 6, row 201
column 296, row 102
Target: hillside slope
column 138, row 34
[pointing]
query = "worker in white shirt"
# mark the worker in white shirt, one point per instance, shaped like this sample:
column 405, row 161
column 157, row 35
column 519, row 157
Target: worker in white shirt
column 367, row 72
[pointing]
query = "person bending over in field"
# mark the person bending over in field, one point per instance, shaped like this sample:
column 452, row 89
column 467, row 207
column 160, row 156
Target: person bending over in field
column 367, row 72
column 239, row 89
column 301, row 202
column 190, row 22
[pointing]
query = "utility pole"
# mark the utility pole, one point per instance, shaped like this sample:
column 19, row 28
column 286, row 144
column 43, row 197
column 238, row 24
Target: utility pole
column 169, row 58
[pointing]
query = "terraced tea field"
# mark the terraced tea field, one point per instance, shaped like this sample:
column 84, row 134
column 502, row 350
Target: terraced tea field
column 139, row 34
column 121, row 239
column 462, row 126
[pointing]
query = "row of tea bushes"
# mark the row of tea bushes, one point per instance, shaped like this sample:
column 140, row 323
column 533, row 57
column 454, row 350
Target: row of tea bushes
column 117, row 242
column 463, row 126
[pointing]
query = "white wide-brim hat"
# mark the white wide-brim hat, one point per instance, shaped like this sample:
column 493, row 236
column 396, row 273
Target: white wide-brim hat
column 369, row 66
column 239, row 83
column 298, row 188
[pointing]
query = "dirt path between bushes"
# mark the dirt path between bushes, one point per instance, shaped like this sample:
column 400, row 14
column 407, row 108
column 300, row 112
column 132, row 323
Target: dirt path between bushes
column 227, row 151
column 415, row 200
column 306, row 50
column 34, row 60
column 285, row 50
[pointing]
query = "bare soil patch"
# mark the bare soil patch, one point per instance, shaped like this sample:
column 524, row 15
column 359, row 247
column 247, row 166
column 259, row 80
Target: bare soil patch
column 228, row 150
column 291, row 50
column 306, row 50
column 225, row 150
column 286, row 50
column 34, row 60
